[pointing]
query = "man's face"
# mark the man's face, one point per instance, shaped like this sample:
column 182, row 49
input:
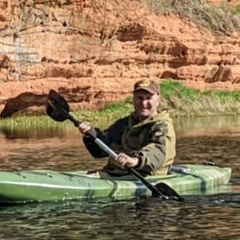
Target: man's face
column 145, row 104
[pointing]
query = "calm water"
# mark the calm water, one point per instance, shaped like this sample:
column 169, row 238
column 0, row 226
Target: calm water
column 199, row 217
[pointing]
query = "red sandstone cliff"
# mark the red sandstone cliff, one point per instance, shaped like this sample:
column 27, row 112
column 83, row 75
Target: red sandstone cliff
column 93, row 51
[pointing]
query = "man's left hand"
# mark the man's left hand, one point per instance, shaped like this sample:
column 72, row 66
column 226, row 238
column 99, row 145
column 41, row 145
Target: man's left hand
column 126, row 161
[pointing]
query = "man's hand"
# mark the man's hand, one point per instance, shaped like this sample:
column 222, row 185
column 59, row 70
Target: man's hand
column 84, row 127
column 125, row 160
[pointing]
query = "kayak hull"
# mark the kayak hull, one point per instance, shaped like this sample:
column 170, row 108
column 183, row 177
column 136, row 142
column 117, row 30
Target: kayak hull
column 46, row 185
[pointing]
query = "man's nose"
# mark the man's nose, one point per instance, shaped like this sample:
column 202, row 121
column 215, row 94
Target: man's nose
column 144, row 102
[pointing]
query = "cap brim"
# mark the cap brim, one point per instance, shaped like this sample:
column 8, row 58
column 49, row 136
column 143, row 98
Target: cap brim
column 145, row 89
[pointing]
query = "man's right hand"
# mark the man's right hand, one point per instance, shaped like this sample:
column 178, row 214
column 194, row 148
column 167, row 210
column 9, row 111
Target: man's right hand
column 84, row 127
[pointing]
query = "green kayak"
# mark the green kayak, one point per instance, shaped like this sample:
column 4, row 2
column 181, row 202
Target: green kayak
column 45, row 185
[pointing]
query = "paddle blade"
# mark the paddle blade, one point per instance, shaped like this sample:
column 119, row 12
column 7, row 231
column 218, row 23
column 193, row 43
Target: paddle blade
column 168, row 191
column 57, row 107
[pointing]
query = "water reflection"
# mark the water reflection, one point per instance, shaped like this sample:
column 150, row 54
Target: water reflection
column 220, row 125
column 223, row 150
column 142, row 219
column 31, row 133
column 199, row 217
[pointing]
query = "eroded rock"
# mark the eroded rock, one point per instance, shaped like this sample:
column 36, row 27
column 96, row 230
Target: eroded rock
column 92, row 52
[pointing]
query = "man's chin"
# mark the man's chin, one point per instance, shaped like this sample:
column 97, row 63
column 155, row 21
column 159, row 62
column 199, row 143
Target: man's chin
column 143, row 115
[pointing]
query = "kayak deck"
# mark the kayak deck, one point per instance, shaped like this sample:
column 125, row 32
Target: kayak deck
column 46, row 185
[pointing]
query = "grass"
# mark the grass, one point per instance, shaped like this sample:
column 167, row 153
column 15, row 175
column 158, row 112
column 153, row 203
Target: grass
column 181, row 100
column 236, row 10
column 191, row 102
column 222, row 19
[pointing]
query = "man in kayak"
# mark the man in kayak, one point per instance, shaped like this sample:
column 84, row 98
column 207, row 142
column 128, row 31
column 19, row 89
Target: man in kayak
column 145, row 140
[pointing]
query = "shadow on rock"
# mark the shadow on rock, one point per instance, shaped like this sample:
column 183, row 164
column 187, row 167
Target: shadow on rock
column 24, row 103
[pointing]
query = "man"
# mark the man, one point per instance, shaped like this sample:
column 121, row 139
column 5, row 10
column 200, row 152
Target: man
column 145, row 140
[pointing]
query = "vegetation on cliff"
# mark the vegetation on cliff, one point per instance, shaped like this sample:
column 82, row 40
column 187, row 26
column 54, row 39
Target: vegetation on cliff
column 181, row 100
column 223, row 19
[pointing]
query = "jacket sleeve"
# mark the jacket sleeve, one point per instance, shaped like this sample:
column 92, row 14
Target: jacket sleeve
column 110, row 135
column 92, row 147
column 159, row 148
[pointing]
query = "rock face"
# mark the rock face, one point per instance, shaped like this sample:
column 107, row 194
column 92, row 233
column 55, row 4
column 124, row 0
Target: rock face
column 93, row 51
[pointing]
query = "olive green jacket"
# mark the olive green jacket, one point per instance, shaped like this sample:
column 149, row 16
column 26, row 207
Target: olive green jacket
column 152, row 141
